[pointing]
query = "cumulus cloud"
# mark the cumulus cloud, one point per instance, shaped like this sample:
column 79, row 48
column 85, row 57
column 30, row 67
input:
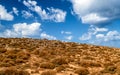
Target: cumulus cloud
column 50, row 37
column 26, row 14
column 22, row 30
column 15, row 11
column 110, row 36
column 97, row 12
column 52, row 14
column 93, row 30
column 101, row 36
column 5, row 15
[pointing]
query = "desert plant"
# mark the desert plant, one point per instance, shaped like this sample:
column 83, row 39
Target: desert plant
column 89, row 64
column 109, row 69
column 13, row 71
column 60, row 61
column 2, row 50
column 5, row 64
column 47, row 65
column 82, row 71
column 60, row 68
column 49, row 72
column 19, row 61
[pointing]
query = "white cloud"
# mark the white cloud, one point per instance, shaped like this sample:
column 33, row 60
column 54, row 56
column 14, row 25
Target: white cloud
column 93, row 18
column 92, row 32
column 96, row 12
column 52, row 14
column 22, row 30
column 4, row 15
column 26, row 14
column 99, row 36
column 111, row 36
column 50, row 37
column 69, row 37
column 66, row 32
column 86, row 36
column 15, row 11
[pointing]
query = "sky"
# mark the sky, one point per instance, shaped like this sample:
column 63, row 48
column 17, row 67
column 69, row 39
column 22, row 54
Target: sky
column 84, row 21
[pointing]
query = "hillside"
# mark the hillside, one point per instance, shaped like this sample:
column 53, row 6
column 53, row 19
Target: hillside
column 23, row 56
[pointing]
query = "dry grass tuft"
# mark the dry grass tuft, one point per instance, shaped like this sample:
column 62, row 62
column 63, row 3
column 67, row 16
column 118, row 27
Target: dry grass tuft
column 13, row 71
column 47, row 65
column 82, row 71
column 60, row 61
column 49, row 72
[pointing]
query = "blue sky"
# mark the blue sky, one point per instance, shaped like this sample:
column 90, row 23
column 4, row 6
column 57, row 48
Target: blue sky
column 84, row 21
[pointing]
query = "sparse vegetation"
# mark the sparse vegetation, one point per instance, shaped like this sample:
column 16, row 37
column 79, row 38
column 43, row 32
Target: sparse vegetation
column 60, row 61
column 13, row 71
column 52, row 57
column 82, row 71
column 49, row 72
column 47, row 65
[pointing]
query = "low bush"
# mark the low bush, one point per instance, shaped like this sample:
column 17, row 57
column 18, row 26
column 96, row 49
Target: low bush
column 109, row 69
column 60, row 68
column 82, row 71
column 89, row 64
column 13, row 71
column 47, row 65
column 60, row 61
column 49, row 72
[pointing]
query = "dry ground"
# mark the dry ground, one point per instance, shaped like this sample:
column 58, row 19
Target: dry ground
column 23, row 56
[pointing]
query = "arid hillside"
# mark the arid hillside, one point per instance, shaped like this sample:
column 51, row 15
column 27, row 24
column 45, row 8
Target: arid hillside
column 23, row 56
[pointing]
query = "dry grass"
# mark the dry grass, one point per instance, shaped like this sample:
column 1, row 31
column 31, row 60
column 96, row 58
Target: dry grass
column 59, row 61
column 49, row 72
column 82, row 71
column 47, row 65
column 35, row 56
column 13, row 71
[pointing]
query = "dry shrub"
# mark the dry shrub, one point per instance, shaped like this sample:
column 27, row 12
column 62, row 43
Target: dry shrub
column 49, row 72
column 13, row 71
column 2, row 50
column 109, row 69
column 23, row 55
column 12, row 56
column 89, row 64
column 88, row 58
column 60, row 68
column 60, row 61
column 82, row 71
column 36, row 52
column 47, row 65
column 19, row 61
column 43, row 53
column 5, row 64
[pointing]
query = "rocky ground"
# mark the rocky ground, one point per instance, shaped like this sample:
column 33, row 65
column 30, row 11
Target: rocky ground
column 25, row 56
